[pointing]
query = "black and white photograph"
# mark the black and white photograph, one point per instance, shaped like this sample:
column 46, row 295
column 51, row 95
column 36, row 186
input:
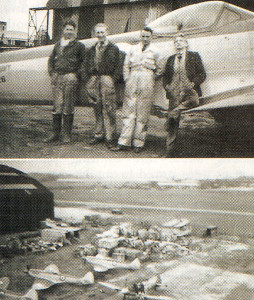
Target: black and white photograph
column 126, row 79
column 127, row 229
column 126, row 149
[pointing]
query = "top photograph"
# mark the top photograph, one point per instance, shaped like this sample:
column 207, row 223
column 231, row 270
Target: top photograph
column 126, row 79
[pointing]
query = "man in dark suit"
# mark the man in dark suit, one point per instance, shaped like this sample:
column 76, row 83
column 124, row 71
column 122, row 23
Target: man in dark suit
column 184, row 72
column 100, row 71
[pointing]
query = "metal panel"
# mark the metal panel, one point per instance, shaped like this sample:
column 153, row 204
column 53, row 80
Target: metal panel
column 88, row 18
column 54, row 4
column 24, row 202
column 118, row 18
column 17, row 187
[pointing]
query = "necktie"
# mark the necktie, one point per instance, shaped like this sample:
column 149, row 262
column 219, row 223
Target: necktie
column 179, row 56
column 144, row 48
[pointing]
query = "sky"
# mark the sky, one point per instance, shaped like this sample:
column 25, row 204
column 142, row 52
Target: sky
column 15, row 13
column 138, row 169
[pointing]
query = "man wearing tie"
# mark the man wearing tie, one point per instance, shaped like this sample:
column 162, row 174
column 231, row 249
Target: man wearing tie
column 100, row 71
column 184, row 72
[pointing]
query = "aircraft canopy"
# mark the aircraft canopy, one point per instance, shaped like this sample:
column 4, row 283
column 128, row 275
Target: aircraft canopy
column 199, row 16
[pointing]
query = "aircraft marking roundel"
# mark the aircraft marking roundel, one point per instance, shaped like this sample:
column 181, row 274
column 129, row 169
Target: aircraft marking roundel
column 62, row 278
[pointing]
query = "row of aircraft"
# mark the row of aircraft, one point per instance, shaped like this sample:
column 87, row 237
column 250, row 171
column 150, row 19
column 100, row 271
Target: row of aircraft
column 51, row 275
column 222, row 33
column 155, row 281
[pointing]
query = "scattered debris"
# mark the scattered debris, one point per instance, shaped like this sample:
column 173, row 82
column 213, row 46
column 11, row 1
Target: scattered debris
column 211, row 230
column 4, row 282
column 87, row 250
column 116, row 211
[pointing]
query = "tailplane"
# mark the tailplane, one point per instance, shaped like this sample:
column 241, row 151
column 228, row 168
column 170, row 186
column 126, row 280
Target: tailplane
column 135, row 265
column 88, row 278
column 31, row 294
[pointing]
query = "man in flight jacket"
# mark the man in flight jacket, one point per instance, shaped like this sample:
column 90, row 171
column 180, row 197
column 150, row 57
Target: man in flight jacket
column 100, row 71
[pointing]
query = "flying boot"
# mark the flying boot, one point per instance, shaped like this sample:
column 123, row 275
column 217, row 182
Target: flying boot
column 67, row 128
column 55, row 136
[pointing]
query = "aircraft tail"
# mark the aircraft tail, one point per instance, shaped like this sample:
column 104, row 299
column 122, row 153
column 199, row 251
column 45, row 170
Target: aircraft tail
column 135, row 265
column 4, row 282
column 88, row 278
column 31, row 294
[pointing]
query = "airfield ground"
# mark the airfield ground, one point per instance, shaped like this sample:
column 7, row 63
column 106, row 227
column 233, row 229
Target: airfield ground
column 225, row 258
column 24, row 127
column 223, row 265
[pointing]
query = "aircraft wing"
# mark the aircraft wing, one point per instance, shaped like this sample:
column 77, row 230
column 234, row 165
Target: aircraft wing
column 52, row 269
column 125, row 290
column 110, row 286
column 152, row 282
column 100, row 268
column 242, row 97
column 148, row 297
column 42, row 284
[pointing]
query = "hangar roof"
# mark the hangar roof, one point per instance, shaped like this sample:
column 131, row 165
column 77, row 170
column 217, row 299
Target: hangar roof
column 13, row 179
column 52, row 4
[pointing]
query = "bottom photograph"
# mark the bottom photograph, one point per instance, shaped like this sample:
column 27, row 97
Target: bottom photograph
column 127, row 229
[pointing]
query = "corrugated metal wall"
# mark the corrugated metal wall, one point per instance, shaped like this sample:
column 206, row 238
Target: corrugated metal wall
column 24, row 202
column 22, row 211
column 123, row 17
column 88, row 17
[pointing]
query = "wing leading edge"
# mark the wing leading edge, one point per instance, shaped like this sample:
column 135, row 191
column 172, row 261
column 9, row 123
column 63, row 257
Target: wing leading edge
column 232, row 99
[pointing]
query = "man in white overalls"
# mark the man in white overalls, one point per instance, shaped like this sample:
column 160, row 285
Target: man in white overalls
column 140, row 69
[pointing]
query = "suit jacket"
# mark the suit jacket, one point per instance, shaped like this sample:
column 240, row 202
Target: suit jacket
column 194, row 70
column 110, row 63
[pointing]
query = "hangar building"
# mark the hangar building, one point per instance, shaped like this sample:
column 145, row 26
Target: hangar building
column 120, row 15
column 24, row 201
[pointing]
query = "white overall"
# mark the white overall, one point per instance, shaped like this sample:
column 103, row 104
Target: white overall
column 140, row 69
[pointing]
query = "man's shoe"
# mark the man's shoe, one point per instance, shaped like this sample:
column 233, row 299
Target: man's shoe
column 95, row 141
column 120, row 148
column 111, row 144
column 137, row 149
column 51, row 139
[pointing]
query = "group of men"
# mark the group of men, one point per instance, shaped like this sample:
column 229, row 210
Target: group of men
column 101, row 66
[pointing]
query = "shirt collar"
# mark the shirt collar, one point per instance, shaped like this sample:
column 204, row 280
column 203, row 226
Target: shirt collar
column 182, row 52
column 104, row 44
column 64, row 42
column 141, row 46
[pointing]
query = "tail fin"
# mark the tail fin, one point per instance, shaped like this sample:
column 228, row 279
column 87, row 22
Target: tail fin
column 31, row 294
column 159, row 280
column 135, row 265
column 88, row 278
column 4, row 282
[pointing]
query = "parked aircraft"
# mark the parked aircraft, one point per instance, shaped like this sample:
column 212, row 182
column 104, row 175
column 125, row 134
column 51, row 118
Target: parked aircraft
column 128, row 295
column 6, row 294
column 103, row 264
column 51, row 276
column 222, row 33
